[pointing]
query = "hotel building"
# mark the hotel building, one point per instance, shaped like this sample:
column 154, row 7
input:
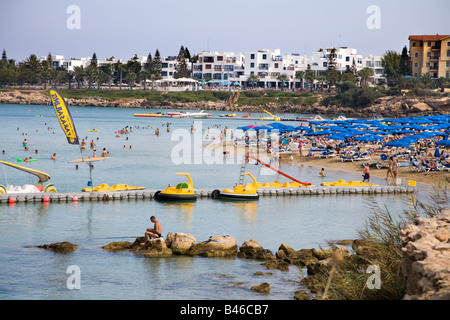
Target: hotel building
column 218, row 66
column 430, row 54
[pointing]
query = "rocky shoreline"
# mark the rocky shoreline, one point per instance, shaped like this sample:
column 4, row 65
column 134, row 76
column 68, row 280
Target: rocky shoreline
column 395, row 106
column 425, row 267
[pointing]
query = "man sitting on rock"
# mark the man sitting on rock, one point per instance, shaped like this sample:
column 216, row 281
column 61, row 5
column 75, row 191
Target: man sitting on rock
column 153, row 233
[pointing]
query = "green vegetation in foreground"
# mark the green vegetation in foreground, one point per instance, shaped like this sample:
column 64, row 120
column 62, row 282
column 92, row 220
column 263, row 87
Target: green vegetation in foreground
column 254, row 98
column 380, row 245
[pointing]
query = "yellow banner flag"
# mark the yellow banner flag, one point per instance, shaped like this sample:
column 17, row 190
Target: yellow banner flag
column 64, row 117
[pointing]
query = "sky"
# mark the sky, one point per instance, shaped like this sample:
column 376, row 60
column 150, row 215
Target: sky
column 124, row 28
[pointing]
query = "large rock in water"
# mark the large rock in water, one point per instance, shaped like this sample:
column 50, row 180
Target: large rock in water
column 180, row 243
column 118, row 246
column 61, row 247
column 217, row 246
column 251, row 249
column 153, row 248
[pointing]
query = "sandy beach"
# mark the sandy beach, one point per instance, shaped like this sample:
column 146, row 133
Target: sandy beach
column 431, row 178
column 405, row 173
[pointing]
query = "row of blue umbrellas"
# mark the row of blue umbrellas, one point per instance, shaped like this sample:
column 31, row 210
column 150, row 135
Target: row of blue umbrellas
column 373, row 130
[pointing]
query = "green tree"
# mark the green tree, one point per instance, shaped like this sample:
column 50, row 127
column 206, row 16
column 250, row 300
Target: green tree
column 253, row 79
column 94, row 61
column 442, row 83
column 145, row 75
column 119, row 70
column 79, row 74
column 182, row 64
column 91, row 75
column 391, row 64
column 310, row 76
column 405, row 68
column 332, row 75
column 365, row 75
column 69, row 78
column 157, row 64
column 107, row 74
column 283, row 79
column 426, row 80
column 300, row 75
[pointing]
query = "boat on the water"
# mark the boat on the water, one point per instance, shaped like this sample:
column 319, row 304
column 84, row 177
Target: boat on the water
column 38, row 187
column 151, row 115
column 315, row 118
column 239, row 192
column 191, row 115
column 343, row 118
column 343, row 183
column 116, row 187
column 181, row 192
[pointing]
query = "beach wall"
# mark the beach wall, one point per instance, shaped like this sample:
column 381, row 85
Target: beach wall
column 426, row 262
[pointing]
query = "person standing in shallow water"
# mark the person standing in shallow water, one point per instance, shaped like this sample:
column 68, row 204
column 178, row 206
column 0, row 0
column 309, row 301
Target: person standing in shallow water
column 153, row 233
column 366, row 173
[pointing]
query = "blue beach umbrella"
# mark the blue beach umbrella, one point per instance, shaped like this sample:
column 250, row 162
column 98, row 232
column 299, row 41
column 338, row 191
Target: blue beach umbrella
column 436, row 153
column 443, row 143
column 399, row 143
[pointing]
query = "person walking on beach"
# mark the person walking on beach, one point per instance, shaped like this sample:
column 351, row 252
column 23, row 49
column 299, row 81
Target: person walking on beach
column 366, row 173
column 390, row 170
column 394, row 168
column 153, row 233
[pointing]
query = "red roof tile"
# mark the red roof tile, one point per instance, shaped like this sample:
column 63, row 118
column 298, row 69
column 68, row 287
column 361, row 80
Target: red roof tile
column 428, row 37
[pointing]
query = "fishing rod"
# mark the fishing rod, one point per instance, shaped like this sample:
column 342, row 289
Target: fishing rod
column 116, row 237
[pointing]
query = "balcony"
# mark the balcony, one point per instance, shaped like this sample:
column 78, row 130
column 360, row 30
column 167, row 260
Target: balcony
column 434, row 48
column 435, row 57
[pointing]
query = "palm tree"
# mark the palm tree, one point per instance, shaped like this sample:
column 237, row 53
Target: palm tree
column 144, row 75
column 79, row 74
column 321, row 80
column 119, row 68
column 365, row 75
column 426, row 80
column 105, row 74
column 69, row 77
column 130, row 78
column 300, row 75
column 253, row 78
column 310, row 75
column 442, row 83
column 91, row 74
column 282, row 78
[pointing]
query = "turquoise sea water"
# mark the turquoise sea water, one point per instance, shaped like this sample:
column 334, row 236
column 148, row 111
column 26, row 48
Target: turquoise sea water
column 31, row 273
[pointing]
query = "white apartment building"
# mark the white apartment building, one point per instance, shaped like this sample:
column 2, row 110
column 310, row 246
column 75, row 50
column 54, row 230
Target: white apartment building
column 219, row 66
column 269, row 64
column 374, row 62
column 344, row 57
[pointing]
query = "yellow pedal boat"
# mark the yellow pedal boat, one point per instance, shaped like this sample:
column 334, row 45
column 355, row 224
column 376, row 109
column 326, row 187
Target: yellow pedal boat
column 182, row 191
column 278, row 184
column 117, row 187
column 240, row 192
column 343, row 183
